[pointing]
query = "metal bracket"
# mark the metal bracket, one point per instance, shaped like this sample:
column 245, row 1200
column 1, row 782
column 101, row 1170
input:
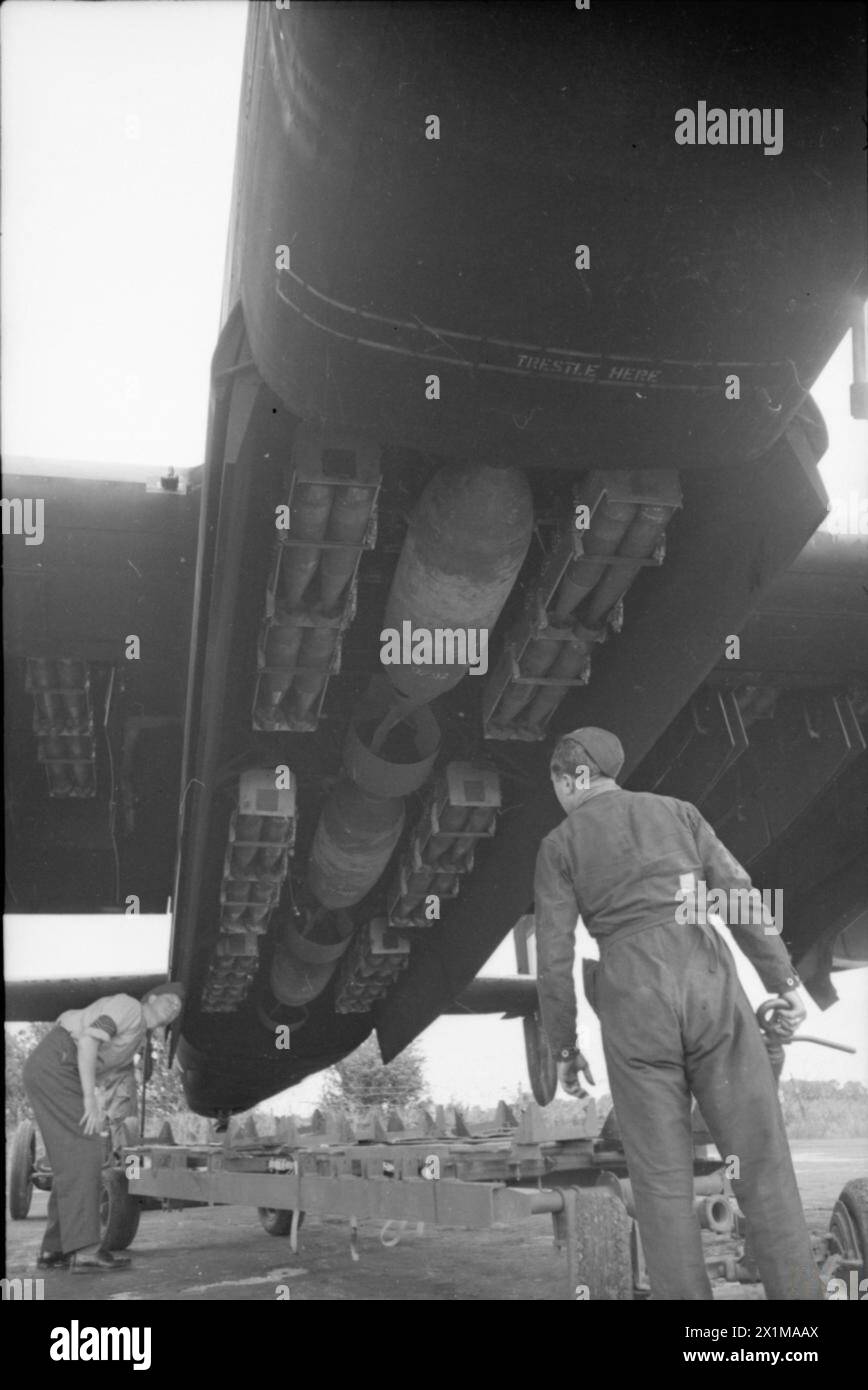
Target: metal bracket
column 565, row 1225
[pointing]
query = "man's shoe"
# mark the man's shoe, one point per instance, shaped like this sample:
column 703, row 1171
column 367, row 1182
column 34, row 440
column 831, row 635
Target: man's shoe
column 100, row 1259
column 52, row 1259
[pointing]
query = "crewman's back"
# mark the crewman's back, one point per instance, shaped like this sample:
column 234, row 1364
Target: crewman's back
column 625, row 853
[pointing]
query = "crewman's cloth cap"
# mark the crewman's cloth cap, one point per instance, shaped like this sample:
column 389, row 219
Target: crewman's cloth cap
column 171, row 988
column 603, row 747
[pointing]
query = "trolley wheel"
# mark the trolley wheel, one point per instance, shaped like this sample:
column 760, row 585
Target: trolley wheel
column 22, row 1161
column 278, row 1222
column 604, row 1259
column 849, row 1223
column 119, row 1212
column 542, row 1068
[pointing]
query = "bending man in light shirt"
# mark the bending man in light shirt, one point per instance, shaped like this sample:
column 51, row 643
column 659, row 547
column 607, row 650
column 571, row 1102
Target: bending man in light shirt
column 86, row 1048
column 673, row 1015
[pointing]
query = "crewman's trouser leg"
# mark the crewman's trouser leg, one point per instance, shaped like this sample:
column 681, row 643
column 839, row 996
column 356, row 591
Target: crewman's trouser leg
column 748, row 1129
column 51, row 1241
column 52, row 1083
column 675, row 1019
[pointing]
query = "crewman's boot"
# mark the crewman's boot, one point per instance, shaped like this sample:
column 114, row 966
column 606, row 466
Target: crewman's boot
column 52, row 1259
column 91, row 1260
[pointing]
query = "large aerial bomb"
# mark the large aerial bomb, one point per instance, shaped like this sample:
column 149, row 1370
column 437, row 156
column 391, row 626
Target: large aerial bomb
column 306, row 955
column 363, row 815
column 465, row 545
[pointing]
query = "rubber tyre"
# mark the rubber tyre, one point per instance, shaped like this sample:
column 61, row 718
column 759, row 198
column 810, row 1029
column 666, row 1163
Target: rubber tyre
column 604, row 1260
column 542, row 1068
column 119, row 1213
column 22, row 1160
column 277, row 1222
column 849, row 1223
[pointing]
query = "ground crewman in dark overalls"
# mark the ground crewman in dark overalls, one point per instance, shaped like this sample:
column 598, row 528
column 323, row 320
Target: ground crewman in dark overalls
column 84, row 1049
column 674, row 1017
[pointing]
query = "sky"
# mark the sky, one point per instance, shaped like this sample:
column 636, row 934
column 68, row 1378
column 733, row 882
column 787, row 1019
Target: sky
column 119, row 124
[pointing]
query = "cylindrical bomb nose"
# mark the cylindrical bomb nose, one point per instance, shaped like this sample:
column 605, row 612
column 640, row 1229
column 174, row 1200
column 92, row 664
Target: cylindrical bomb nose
column 465, row 545
column 363, row 816
column 353, row 844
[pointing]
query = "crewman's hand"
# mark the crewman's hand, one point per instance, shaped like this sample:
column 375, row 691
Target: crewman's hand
column 790, row 1012
column 91, row 1120
column 569, row 1073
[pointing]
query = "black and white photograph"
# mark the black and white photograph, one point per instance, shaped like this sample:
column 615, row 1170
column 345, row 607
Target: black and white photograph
column 435, row 653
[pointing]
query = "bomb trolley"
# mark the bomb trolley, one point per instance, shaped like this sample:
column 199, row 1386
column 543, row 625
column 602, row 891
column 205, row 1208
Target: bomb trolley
column 477, row 1182
column 482, row 1181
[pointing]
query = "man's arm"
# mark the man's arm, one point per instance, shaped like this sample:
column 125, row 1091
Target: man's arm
column 103, row 1029
column 556, row 913
column 760, row 940
column 119, row 1094
column 87, row 1048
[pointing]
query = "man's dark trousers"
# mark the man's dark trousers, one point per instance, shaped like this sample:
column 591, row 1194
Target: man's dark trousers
column 675, row 1020
column 53, row 1086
